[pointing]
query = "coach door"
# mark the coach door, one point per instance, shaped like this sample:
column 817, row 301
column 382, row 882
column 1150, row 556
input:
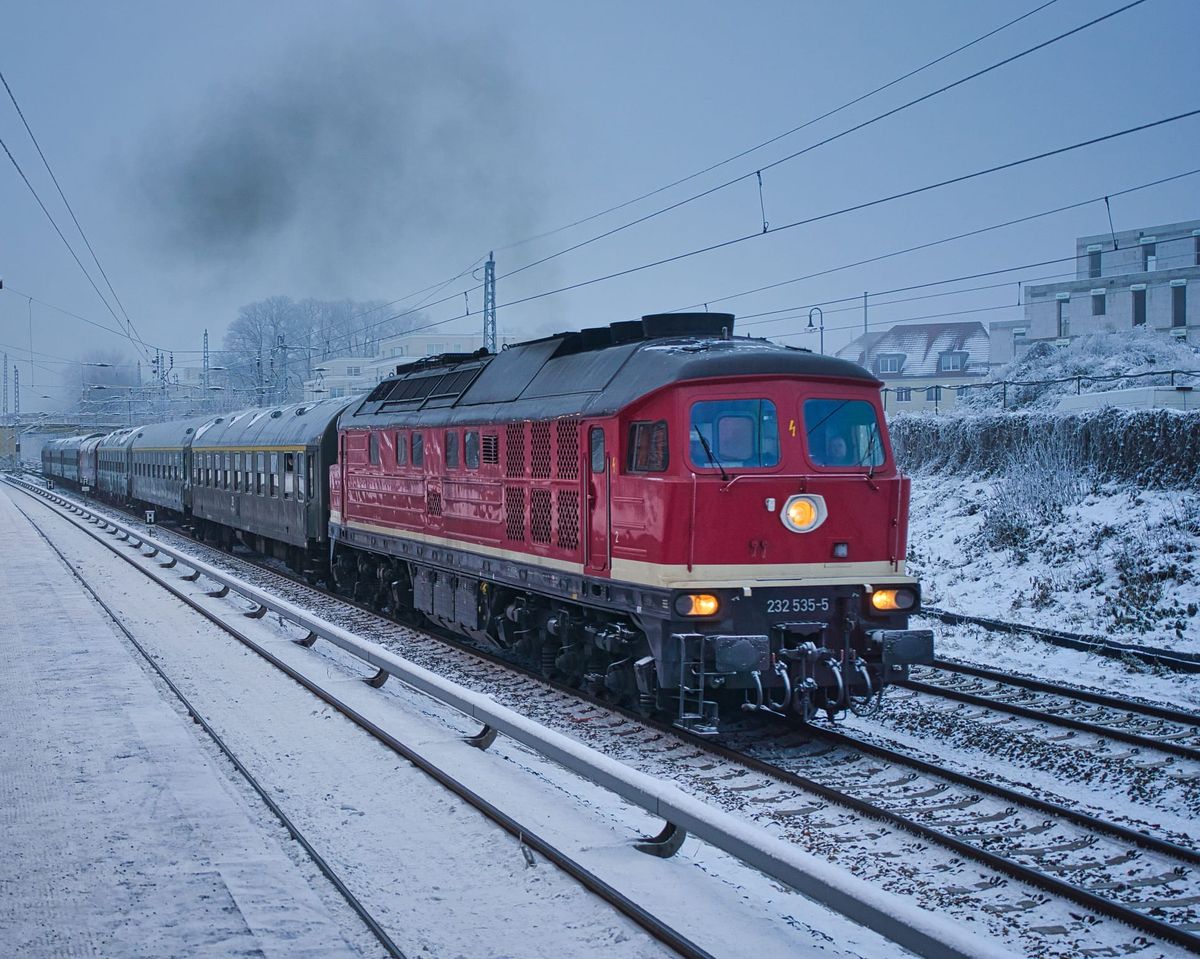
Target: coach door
column 599, row 501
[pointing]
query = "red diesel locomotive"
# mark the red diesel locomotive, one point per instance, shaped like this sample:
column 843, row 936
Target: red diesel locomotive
column 656, row 508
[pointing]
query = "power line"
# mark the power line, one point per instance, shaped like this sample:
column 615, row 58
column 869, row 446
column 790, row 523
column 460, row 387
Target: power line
column 933, row 243
column 70, row 210
column 66, row 243
column 820, row 143
column 859, row 206
column 785, row 159
column 785, row 134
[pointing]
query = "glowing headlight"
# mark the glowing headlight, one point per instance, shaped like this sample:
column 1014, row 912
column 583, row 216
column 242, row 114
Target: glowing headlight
column 697, row 604
column 803, row 513
column 889, row 600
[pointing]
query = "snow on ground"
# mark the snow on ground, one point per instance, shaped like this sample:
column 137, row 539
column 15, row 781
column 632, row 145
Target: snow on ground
column 1048, row 542
column 445, row 882
column 1110, row 560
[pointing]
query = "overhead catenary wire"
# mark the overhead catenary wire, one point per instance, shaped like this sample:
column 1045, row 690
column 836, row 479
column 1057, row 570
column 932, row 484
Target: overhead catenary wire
column 775, row 139
column 62, row 237
column 21, row 113
column 723, row 244
column 949, row 239
column 792, row 280
column 814, row 146
column 820, row 143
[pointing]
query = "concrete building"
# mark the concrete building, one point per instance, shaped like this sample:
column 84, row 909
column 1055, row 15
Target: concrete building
column 1146, row 277
column 924, row 366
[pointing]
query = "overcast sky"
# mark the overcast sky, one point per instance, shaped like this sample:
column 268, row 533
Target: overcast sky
column 223, row 152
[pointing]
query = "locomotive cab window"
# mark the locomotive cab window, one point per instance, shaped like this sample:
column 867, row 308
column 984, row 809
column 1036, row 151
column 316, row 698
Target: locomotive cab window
column 648, row 447
column 738, row 434
column 843, row 433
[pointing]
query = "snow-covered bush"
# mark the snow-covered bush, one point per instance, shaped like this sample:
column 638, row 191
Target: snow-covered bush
column 1125, row 356
column 1148, row 447
column 1038, row 484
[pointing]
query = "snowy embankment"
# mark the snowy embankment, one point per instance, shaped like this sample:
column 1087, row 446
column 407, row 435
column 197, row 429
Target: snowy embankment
column 1083, row 521
column 1117, row 560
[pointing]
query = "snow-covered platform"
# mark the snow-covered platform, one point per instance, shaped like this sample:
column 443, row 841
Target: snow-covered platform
column 120, row 833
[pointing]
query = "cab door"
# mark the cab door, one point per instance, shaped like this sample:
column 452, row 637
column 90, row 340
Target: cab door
column 598, row 497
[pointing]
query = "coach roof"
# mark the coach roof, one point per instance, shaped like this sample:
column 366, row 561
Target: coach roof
column 298, row 424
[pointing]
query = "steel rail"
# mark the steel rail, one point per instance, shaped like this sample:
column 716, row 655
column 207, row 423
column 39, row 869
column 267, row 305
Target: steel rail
column 1067, row 722
column 658, row 929
column 1105, row 907
column 884, row 912
column 993, row 860
column 1152, row 710
column 327, row 871
column 1152, row 655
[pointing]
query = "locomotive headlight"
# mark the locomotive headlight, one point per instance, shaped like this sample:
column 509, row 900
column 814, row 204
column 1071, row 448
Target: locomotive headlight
column 890, row 600
column 697, row 604
column 803, row 513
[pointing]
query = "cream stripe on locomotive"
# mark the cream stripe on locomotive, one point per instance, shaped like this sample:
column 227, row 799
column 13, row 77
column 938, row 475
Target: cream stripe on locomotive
column 734, row 576
column 739, row 576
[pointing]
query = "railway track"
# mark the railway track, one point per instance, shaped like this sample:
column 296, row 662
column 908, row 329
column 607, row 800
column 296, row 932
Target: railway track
column 1143, row 725
column 669, row 936
column 1149, row 884
column 1149, row 655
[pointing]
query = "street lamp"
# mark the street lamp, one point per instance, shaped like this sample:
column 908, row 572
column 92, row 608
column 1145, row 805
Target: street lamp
column 818, row 311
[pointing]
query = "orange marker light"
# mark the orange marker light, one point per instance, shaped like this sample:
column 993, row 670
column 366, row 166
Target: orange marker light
column 697, row 604
column 887, row 600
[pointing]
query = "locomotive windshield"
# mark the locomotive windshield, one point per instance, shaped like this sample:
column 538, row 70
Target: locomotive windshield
column 738, row 434
column 842, row 433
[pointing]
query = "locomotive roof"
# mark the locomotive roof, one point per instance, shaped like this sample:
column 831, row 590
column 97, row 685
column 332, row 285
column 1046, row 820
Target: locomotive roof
column 297, row 424
column 591, row 373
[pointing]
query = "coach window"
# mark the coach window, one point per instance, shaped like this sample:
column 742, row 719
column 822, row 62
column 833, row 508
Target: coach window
column 260, row 481
column 742, row 434
column 842, row 433
column 596, row 448
column 401, row 449
column 452, row 449
column 648, row 447
column 418, row 449
column 471, row 449
column 373, row 447
column 289, row 470
column 301, row 486
column 274, row 474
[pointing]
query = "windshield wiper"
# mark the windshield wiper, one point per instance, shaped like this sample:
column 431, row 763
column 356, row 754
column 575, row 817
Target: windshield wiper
column 709, row 453
column 870, row 455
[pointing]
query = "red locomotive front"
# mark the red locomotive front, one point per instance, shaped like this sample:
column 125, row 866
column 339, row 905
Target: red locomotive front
column 668, row 512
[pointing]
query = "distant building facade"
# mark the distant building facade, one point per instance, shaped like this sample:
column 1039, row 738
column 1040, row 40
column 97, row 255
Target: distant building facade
column 1147, row 277
column 924, row 366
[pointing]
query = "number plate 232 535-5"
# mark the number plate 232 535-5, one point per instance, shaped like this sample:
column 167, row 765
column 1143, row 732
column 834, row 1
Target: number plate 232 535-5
column 798, row 604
